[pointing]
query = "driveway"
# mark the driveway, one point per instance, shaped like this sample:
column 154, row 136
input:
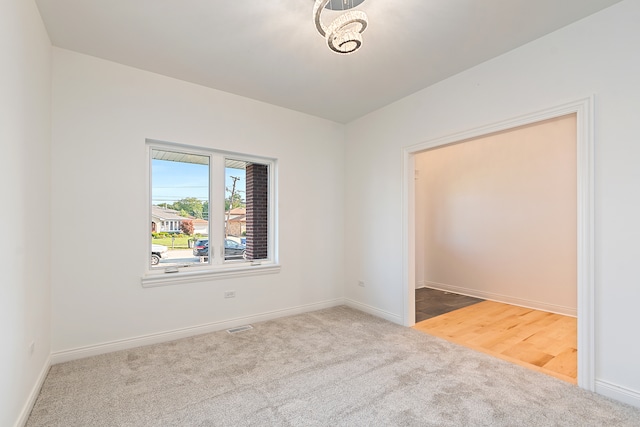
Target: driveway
column 185, row 256
column 179, row 257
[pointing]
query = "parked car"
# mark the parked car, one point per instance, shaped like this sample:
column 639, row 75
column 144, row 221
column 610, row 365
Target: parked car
column 157, row 252
column 201, row 247
column 232, row 250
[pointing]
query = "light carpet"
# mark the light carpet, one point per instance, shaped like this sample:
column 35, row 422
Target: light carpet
column 333, row 367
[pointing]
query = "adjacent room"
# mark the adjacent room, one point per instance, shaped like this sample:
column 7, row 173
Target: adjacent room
column 211, row 219
column 496, row 219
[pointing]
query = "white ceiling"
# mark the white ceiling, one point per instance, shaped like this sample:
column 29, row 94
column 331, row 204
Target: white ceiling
column 270, row 50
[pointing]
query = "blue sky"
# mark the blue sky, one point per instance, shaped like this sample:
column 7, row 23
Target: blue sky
column 172, row 181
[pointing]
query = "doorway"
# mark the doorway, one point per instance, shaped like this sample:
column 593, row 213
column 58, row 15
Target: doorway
column 584, row 229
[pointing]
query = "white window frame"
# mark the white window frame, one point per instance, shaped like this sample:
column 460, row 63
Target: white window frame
column 216, row 268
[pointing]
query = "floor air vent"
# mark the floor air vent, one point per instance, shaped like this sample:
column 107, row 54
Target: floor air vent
column 239, row 329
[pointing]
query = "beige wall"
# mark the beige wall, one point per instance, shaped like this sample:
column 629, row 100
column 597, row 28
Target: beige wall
column 496, row 216
column 25, row 176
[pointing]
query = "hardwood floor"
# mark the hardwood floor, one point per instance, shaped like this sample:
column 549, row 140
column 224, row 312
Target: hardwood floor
column 538, row 340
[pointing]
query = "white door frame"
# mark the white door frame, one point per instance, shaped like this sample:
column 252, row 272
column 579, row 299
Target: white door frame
column 583, row 109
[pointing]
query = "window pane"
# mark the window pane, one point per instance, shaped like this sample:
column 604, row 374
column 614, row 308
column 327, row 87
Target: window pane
column 235, row 210
column 180, row 208
column 246, row 210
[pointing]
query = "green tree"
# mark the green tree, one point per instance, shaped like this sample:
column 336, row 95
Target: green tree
column 237, row 202
column 191, row 205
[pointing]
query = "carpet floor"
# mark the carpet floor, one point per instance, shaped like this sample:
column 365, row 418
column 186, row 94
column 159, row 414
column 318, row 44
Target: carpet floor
column 333, row 367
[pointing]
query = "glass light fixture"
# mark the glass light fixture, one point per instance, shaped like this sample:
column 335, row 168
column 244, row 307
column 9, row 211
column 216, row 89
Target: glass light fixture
column 344, row 34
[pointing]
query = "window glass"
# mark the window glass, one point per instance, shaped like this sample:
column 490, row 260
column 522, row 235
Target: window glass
column 179, row 208
column 235, row 210
column 246, row 210
column 209, row 210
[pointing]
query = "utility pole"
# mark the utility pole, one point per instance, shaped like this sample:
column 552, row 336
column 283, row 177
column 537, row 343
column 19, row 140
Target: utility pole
column 233, row 192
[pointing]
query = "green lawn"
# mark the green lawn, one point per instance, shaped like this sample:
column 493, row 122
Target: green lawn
column 178, row 243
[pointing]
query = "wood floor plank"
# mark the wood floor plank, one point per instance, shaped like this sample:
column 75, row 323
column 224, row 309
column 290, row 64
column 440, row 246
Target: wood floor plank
column 564, row 363
column 528, row 353
column 543, row 341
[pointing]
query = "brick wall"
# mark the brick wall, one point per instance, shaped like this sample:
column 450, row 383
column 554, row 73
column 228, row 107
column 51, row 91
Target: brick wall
column 257, row 193
column 236, row 228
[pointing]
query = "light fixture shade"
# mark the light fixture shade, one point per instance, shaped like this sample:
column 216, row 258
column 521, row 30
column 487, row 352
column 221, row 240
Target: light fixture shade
column 344, row 34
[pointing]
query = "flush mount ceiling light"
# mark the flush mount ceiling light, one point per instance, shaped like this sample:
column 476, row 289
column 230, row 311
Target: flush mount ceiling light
column 344, row 34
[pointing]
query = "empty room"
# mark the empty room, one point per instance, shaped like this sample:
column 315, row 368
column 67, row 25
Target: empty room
column 496, row 219
column 209, row 216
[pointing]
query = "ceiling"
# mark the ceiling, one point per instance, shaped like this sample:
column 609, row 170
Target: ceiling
column 270, row 50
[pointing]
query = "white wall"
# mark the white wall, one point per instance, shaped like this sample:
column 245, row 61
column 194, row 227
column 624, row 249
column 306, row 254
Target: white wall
column 597, row 55
column 25, row 126
column 498, row 216
column 103, row 112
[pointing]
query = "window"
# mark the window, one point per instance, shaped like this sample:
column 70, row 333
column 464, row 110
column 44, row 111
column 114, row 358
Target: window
column 211, row 213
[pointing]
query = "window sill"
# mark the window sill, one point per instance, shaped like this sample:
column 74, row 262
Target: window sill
column 165, row 279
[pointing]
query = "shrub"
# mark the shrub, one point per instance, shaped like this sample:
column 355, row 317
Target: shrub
column 187, row 227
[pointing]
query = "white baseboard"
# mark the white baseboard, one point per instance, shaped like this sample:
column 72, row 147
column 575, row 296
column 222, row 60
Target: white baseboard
column 33, row 395
column 536, row 305
column 420, row 284
column 616, row 392
column 159, row 337
column 374, row 311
